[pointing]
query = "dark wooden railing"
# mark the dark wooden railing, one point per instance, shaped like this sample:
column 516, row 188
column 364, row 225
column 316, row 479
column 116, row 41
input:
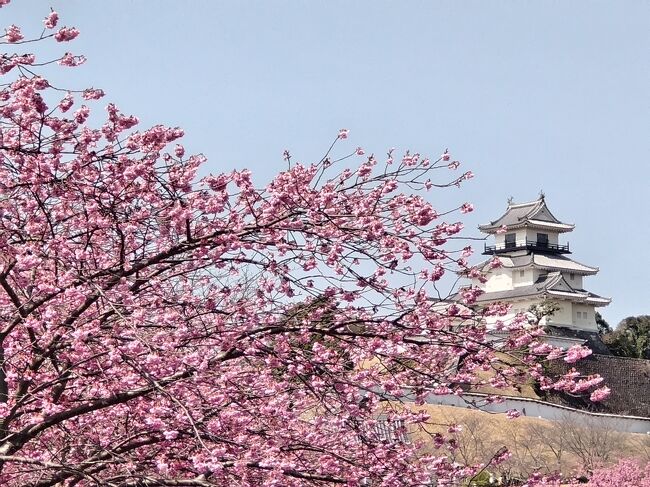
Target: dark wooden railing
column 535, row 245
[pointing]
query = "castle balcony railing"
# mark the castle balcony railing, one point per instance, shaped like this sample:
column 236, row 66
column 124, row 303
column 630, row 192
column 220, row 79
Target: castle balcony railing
column 534, row 245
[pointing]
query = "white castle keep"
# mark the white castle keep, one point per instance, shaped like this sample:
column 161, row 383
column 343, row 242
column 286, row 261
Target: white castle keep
column 535, row 268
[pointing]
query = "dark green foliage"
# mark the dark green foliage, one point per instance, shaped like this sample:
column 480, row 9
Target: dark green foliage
column 631, row 338
column 603, row 326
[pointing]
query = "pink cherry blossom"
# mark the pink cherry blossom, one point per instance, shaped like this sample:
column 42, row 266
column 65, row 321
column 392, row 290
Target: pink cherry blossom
column 66, row 102
column 82, row 114
column 13, row 34
column 71, row 60
column 600, row 394
column 343, row 134
column 513, row 413
column 626, row 473
column 576, row 353
column 92, row 94
column 66, row 34
column 495, row 263
column 467, row 208
column 51, row 20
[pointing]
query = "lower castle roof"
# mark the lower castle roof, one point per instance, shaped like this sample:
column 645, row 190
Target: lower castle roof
column 551, row 284
column 543, row 261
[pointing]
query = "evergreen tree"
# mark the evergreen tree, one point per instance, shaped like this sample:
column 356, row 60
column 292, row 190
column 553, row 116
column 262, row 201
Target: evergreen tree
column 631, row 337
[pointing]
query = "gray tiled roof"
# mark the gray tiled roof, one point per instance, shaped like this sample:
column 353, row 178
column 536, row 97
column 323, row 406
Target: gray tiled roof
column 539, row 287
column 543, row 261
column 552, row 283
column 551, row 261
column 535, row 213
column 517, row 292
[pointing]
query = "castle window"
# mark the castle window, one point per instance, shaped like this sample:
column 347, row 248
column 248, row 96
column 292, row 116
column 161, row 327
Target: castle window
column 572, row 276
column 511, row 240
column 522, row 273
column 542, row 239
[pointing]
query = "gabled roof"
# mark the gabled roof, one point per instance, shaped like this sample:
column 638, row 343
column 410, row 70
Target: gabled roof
column 549, row 262
column 552, row 284
column 532, row 214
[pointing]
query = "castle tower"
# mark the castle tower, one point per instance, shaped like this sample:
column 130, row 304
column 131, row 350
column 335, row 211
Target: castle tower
column 536, row 269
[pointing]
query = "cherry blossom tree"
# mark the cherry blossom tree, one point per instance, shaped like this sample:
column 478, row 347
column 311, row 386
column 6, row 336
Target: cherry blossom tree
column 164, row 329
column 626, row 473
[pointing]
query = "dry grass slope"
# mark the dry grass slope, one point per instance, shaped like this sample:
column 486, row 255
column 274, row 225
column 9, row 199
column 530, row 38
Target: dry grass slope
column 535, row 444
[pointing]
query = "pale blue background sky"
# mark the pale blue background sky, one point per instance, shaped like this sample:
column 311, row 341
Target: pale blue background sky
column 529, row 95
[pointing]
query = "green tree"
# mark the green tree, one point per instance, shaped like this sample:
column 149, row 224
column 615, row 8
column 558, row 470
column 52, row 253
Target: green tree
column 631, row 338
column 603, row 326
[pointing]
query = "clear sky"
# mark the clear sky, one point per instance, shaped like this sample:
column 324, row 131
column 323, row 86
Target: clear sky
column 530, row 96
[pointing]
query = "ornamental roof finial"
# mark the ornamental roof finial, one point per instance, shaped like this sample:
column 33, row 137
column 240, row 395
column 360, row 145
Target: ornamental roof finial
column 511, row 200
column 541, row 194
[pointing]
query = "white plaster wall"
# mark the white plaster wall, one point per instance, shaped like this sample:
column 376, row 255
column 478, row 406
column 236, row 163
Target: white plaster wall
column 520, row 237
column 519, row 306
column 588, row 323
column 523, row 306
column 531, row 234
column 551, row 412
column 499, row 280
column 526, row 280
column 564, row 314
column 476, row 282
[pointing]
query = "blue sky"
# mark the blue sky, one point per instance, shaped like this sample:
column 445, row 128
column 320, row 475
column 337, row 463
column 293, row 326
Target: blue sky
column 530, row 96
